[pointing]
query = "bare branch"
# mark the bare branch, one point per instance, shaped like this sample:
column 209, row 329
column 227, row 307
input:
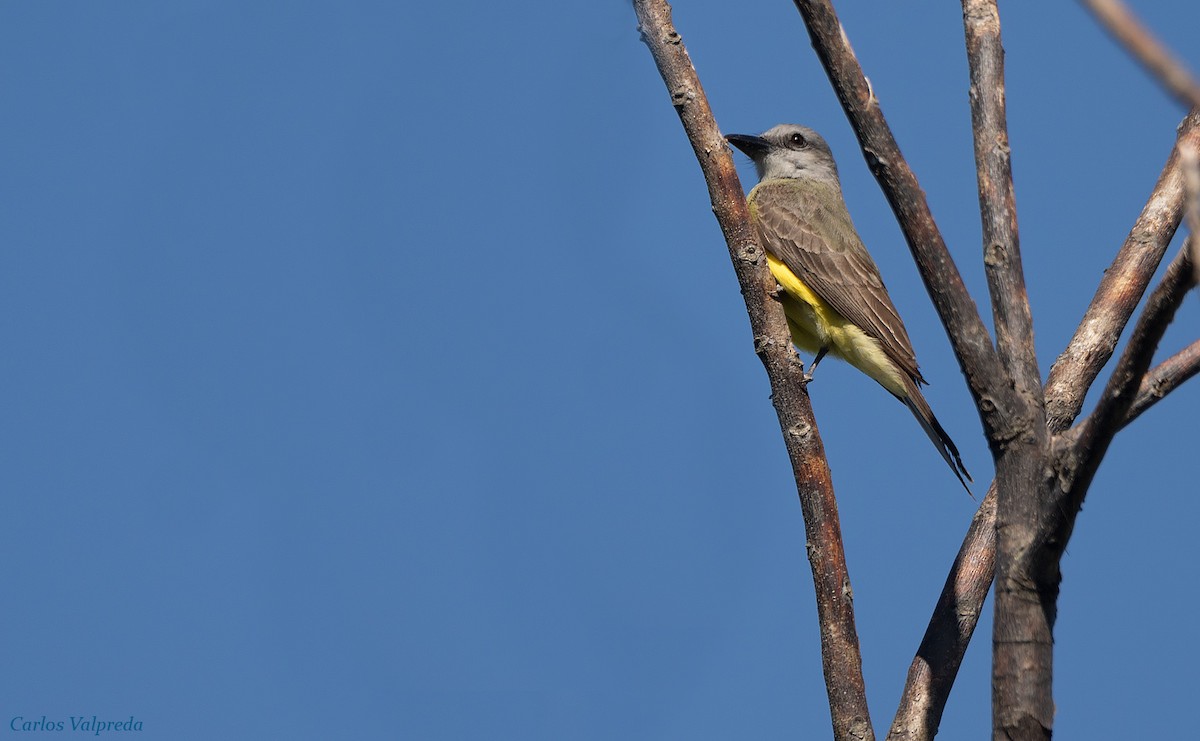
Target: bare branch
column 997, row 201
column 933, row 669
column 985, row 377
column 1120, row 289
column 1166, row 376
column 1113, row 410
column 1138, row 41
column 1189, row 160
column 841, row 658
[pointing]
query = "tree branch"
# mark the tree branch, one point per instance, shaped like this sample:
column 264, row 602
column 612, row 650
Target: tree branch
column 997, row 201
column 1120, row 289
column 1139, row 42
column 1113, row 410
column 932, row 672
column 972, row 346
column 1166, row 376
column 1189, row 160
column 841, row 658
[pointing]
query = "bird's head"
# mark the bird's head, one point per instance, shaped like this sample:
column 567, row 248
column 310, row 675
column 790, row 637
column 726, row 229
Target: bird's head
column 788, row 151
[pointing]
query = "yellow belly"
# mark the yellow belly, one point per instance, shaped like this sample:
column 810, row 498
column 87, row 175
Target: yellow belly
column 815, row 325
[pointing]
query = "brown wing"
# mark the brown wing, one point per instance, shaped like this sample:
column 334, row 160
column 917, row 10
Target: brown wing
column 805, row 225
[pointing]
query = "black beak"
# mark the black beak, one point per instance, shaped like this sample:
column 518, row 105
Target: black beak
column 754, row 146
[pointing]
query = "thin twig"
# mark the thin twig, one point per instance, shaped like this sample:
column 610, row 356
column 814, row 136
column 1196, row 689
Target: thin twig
column 1120, row 289
column 1165, row 377
column 1138, row 41
column 841, row 658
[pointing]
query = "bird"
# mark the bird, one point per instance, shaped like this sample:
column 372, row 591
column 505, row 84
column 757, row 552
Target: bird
column 832, row 293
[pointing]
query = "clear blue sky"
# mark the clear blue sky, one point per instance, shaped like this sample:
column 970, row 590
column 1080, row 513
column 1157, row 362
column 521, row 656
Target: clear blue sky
column 377, row 370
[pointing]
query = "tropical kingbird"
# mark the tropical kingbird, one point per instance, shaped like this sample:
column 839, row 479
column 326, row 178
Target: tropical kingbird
column 833, row 296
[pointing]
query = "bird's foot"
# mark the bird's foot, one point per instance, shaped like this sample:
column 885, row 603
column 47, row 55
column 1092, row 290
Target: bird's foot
column 812, row 368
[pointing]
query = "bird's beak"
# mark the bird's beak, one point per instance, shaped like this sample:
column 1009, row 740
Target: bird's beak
column 754, row 146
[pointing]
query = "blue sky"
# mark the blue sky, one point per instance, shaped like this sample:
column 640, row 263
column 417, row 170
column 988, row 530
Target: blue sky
column 378, row 369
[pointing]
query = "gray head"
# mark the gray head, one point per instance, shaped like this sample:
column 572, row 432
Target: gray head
column 788, row 151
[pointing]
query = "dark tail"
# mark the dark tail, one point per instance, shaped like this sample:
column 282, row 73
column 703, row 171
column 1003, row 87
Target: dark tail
column 920, row 408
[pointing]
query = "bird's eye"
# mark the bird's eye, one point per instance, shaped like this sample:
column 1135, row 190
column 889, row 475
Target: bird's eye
column 797, row 140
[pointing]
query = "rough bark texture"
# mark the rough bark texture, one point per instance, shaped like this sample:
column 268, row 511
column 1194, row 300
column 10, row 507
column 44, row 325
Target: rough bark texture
column 841, row 659
column 997, row 199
